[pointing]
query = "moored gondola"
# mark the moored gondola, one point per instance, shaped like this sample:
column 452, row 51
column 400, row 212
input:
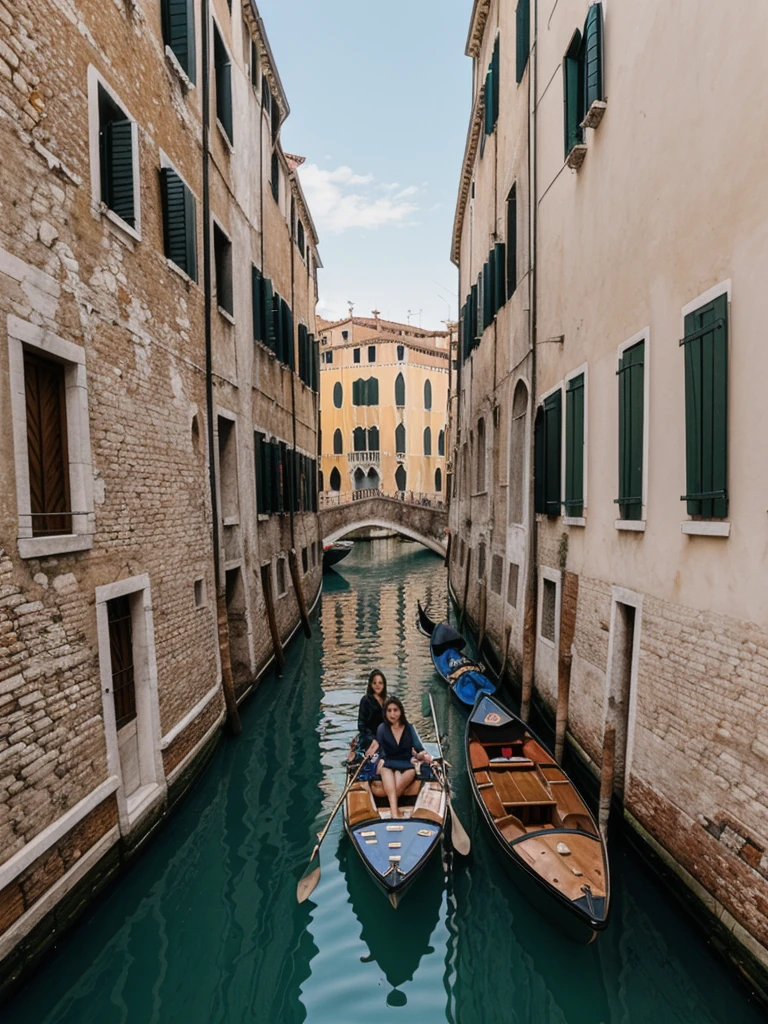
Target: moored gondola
column 465, row 677
column 396, row 850
column 540, row 822
column 333, row 553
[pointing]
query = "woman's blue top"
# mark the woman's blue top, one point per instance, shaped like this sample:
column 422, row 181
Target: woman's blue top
column 397, row 755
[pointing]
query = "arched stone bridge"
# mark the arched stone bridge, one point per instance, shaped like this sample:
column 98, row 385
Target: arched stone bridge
column 418, row 519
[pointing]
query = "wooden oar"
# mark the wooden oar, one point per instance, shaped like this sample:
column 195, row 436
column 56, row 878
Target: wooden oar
column 459, row 836
column 308, row 881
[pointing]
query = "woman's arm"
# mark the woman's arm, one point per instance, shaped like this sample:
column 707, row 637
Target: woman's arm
column 363, row 717
column 418, row 747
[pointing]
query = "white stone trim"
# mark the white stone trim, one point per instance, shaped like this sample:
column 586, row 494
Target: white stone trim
column 21, row 333
column 44, row 840
column 724, row 287
column 630, row 525
column 153, row 782
column 181, row 725
column 180, row 767
column 53, row 896
column 706, row 527
column 96, row 80
column 574, row 521
column 644, row 336
column 620, row 595
column 555, row 576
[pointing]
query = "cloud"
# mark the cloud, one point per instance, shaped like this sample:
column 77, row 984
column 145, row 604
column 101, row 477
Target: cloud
column 340, row 200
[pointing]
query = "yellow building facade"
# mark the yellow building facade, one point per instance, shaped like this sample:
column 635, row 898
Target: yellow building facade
column 384, row 400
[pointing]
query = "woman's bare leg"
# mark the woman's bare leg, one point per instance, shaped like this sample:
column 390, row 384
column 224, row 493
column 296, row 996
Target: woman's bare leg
column 389, row 782
column 404, row 780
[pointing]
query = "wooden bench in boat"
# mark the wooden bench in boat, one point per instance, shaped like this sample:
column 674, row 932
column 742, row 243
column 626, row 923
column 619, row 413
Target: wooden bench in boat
column 429, row 803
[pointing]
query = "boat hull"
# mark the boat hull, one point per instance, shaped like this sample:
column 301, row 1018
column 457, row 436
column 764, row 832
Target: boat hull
column 335, row 553
column 379, row 841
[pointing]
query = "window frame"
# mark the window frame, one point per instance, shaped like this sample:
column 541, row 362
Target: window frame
column 229, row 140
column 553, row 576
column 167, row 164
column 97, row 81
column 216, row 225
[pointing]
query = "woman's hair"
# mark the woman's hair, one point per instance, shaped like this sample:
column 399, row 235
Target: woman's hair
column 371, row 677
column 399, row 704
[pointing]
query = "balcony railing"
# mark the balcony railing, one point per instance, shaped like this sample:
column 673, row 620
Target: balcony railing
column 369, row 458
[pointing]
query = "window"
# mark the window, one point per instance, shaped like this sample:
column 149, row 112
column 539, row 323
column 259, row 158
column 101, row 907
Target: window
column 275, row 119
column 284, row 341
column 480, row 464
column 547, row 455
column 228, row 492
column 631, row 429
column 400, row 478
column 427, row 441
column 517, row 447
column 355, row 353
column 179, row 229
column 548, row 610
column 400, row 439
column 51, row 441
column 522, row 36
column 441, row 444
column 309, row 367
column 200, row 592
column 304, row 561
column 371, row 353
column 338, row 443
column 345, row 335
column 400, row 391
column 373, row 439
column 512, row 580
column 358, row 439
column 118, row 159
column 705, row 347
column 497, row 573
column 338, row 394
column 328, row 357
column 427, row 395
column 222, row 255
column 583, row 75
column 492, row 91
column 281, row 585
column 253, row 61
column 121, row 650
column 275, row 177
column 481, row 561
column 179, row 33
column 512, row 241
column 300, row 241
column 400, row 353
column 320, row 478
column 335, row 479
column 438, row 481
column 223, row 75
column 574, row 446
column 365, row 392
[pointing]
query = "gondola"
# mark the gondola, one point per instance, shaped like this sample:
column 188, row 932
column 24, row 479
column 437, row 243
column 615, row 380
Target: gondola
column 465, row 677
column 540, row 823
column 333, row 553
column 395, row 851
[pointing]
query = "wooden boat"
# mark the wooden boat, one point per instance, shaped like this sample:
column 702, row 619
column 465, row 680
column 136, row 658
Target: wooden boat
column 333, row 553
column 538, row 819
column 464, row 676
column 395, row 851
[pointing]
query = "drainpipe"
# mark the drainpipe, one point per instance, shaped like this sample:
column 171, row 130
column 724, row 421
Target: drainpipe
column 531, row 588
column 227, row 682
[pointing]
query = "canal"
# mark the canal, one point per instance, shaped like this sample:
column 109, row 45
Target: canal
column 204, row 927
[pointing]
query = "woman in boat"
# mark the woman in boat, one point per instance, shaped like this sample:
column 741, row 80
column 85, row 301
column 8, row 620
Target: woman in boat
column 399, row 749
column 370, row 714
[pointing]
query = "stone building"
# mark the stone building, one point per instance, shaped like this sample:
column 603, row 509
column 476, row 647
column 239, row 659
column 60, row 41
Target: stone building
column 384, row 407
column 157, row 291
column 610, row 234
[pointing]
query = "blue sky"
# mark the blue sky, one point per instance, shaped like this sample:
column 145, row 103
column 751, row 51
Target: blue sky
column 380, row 94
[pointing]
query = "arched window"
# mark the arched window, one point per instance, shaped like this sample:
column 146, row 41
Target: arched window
column 427, row 395
column 358, row 439
column 480, row 478
column 338, row 394
column 359, row 479
column 320, row 478
column 400, row 391
column 427, row 441
column 400, row 439
column 400, row 478
column 338, row 443
column 373, row 439
column 335, row 480
column 517, row 452
column 438, row 480
column 372, row 481
column 365, row 392
column 441, row 443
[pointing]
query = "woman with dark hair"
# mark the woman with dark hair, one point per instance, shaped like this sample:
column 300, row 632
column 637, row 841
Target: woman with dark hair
column 370, row 714
column 399, row 749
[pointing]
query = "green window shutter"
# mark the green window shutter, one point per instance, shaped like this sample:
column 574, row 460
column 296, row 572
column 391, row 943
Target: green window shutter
column 539, row 463
column 500, row 273
column 373, row 439
column 593, row 56
column 268, row 333
column 315, row 346
column 706, row 409
column 400, row 391
column 489, row 119
column 258, row 456
column 277, row 321
column 487, row 294
column 400, row 439
column 495, row 64
column 289, row 344
column 474, row 325
column 574, row 446
column 522, row 37
column 373, row 391
column 303, row 353
column 631, row 397
column 512, row 241
column 573, row 93
column 356, row 392
column 427, row 441
column 179, row 33
column 223, row 70
column 553, row 407
column 463, row 332
column 178, row 221
column 117, row 169
column 358, row 439
column 257, row 295
column 493, row 305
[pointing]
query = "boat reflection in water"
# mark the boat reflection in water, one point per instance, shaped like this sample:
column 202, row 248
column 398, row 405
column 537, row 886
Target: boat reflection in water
column 397, row 939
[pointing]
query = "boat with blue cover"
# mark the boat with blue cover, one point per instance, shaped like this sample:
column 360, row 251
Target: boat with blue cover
column 464, row 676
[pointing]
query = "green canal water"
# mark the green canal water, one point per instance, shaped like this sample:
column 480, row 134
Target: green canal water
column 204, row 928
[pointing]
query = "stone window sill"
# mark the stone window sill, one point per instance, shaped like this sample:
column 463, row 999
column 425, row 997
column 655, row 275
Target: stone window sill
column 181, row 273
column 705, row 528
column 122, row 226
column 178, row 70
column 574, row 521
column 230, row 521
column 630, row 525
column 39, row 547
column 478, row 494
column 225, row 138
column 546, row 642
column 227, row 316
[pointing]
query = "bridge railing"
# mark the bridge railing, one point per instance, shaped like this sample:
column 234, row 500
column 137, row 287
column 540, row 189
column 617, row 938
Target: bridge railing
column 331, row 499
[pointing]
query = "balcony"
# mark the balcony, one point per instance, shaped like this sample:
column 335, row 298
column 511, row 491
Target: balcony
column 367, row 458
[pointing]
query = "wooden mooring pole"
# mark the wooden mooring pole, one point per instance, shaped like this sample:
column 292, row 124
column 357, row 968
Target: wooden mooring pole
column 269, row 602
column 299, row 590
column 606, row 779
column 569, row 600
column 227, row 681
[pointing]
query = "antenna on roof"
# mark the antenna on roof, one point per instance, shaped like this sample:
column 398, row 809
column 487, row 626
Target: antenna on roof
column 410, row 314
column 351, row 308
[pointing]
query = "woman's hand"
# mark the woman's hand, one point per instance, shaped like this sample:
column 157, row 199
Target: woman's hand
column 372, row 749
column 422, row 755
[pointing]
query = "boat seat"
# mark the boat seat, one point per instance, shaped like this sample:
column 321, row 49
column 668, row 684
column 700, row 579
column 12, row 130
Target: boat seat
column 377, row 788
column 580, row 821
column 482, row 778
column 510, row 826
column 478, row 755
column 537, row 753
column 360, row 806
column 493, row 802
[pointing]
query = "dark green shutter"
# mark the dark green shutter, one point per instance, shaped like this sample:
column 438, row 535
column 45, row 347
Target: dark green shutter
column 117, row 169
column 289, row 345
column 356, row 392
column 268, row 304
column 373, row 391
column 631, row 397
column 523, row 36
column 493, row 305
column 496, row 81
column 573, row 91
column 179, row 33
column 258, row 457
column 400, row 391
column 178, row 222
column 574, row 446
column 223, row 68
column 500, row 273
column 257, row 298
column 303, row 353
column 553, row 452
column 489, row 121
column 373, row 439
column 706, row 409
column 539, row 463
column 512, row 242
column 315, row 348
column 593, row 56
